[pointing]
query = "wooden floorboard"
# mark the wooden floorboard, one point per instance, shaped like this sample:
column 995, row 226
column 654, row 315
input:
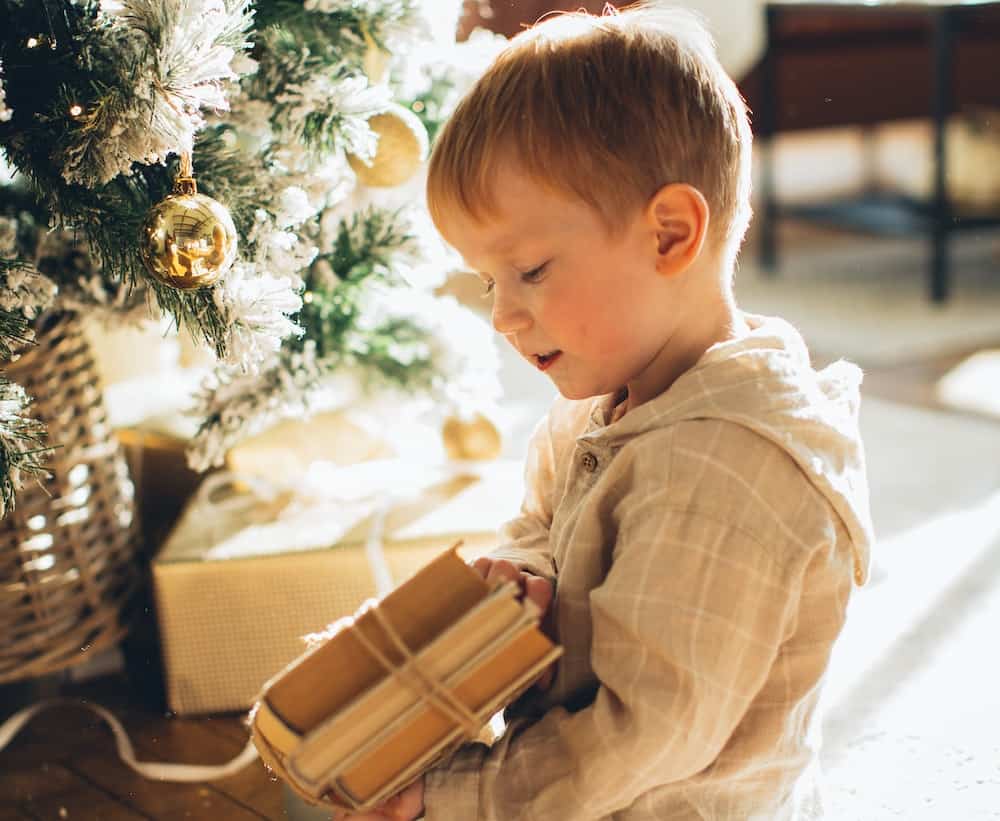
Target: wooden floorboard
column 67, row 795
column 64, row 763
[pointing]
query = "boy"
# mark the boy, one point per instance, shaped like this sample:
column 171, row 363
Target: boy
column 697, row 496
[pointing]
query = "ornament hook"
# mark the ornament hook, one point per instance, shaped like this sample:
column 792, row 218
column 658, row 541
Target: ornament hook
column 184, row 183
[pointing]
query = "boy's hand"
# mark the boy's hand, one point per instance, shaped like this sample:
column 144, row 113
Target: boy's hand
column 535, row 588
column 405, row 805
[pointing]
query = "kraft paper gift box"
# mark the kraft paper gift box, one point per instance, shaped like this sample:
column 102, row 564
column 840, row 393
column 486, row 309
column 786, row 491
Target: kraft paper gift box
column 157, row 461
column 250, row 570
column 147, row 416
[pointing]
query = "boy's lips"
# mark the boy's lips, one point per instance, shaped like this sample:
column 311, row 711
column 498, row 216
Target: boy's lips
column 543, row 361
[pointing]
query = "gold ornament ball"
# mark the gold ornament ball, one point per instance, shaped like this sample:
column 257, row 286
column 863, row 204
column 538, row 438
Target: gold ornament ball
column 188, row 241
column 476, row 438
column 402, row 146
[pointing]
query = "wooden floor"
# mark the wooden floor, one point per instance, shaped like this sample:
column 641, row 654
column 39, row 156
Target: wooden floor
column 64, row 764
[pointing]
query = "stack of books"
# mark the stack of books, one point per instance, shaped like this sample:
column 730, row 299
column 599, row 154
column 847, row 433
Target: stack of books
column 388, row 692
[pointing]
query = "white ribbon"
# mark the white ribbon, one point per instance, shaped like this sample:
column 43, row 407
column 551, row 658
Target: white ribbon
column 154, row 770
column 256, row 499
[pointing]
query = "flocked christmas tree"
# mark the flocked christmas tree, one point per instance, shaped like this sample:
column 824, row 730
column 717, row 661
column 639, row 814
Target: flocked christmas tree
column 218, row 163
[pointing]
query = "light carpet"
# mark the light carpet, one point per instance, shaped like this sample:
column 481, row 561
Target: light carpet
column 913, row 707
column 973, row 384
column 867, row 299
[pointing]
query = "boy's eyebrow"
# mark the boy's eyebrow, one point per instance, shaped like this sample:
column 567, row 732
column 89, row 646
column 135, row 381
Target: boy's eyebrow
column 501, row 246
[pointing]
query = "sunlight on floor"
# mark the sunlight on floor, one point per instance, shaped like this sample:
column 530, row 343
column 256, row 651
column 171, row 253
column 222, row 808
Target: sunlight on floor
column 912, row 703
column 909, row 596
column 974, row 384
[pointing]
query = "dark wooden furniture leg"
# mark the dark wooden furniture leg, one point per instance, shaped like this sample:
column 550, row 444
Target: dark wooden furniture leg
column 941, row 105
column 764, row 120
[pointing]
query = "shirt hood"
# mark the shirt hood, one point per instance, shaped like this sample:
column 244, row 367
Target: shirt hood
column 766, row 382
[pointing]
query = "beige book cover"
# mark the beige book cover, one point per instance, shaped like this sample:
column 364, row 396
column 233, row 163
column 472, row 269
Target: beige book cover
column 392, row 689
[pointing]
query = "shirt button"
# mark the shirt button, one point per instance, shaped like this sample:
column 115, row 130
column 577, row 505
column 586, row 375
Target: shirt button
column 589, row 462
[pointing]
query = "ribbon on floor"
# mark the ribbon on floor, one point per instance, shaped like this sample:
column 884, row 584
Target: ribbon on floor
column 154, row 770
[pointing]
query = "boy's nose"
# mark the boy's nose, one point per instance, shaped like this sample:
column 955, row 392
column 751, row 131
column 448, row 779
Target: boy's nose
column 509, row 317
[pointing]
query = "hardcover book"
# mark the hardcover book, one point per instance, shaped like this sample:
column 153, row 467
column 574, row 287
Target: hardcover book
column 391, row 690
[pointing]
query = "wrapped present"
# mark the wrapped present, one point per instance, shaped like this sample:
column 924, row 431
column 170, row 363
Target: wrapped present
column 252, row 567
column 148, row 417
column 163, row 481
column 386, row 693
column 285, row 451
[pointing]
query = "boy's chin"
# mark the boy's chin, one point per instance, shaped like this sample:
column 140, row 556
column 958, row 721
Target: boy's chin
column 576, row 393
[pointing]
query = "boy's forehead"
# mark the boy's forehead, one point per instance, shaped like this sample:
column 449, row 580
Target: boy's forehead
column 496, row 236
column 517, row 209
column 482, row 241
column 513, row 213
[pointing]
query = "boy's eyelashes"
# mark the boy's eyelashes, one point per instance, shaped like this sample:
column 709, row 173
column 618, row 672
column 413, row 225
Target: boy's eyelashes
column 527, row 276
column 534, row 274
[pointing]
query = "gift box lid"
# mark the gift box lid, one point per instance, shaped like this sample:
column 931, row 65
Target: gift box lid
column 233, row 517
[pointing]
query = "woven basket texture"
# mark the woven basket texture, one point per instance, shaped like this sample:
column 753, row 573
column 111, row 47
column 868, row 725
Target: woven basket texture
column 67, row 550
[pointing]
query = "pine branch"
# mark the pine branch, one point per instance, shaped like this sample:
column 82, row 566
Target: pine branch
column 342, row 29
column 365, row 253
column 363, row 250
column 233, row 406
column 22, row 445
column 14, row 333
column 396, row 353
column 24, row 294
column 232, row 176
column 321, row 99
column 197, row 312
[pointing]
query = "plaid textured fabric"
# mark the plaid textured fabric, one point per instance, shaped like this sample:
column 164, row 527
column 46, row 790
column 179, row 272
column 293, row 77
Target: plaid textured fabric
column 704, row 547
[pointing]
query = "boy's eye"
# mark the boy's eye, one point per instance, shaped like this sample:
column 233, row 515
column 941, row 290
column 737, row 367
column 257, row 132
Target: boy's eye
column 534, row 274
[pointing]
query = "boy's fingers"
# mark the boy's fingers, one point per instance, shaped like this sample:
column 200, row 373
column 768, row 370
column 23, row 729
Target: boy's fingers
column 503, row 571
column 539, row 591
column 482, row 566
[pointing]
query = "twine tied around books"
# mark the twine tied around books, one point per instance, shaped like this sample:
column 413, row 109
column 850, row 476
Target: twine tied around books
column 412, row 674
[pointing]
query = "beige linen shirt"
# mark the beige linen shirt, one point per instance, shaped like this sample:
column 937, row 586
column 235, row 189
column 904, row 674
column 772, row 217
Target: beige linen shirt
column 704, row 547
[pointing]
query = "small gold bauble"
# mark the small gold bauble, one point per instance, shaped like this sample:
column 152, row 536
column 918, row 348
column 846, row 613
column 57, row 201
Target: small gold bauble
column 476, row 438
column 402, row 146
column 188, row 240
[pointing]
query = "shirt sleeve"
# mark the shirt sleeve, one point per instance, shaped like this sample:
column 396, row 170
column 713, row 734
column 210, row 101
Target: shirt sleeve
column 686, row 627
column 524, row 540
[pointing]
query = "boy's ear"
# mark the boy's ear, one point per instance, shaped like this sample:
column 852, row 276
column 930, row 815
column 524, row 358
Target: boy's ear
column 678, row 215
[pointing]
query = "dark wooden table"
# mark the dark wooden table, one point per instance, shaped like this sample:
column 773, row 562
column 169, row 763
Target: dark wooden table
column 862, row 63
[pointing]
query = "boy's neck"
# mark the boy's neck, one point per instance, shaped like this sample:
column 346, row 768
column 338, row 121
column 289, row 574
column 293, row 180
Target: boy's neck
column 716, row 318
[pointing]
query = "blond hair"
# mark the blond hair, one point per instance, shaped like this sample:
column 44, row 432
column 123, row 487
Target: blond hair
column 608, row 108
